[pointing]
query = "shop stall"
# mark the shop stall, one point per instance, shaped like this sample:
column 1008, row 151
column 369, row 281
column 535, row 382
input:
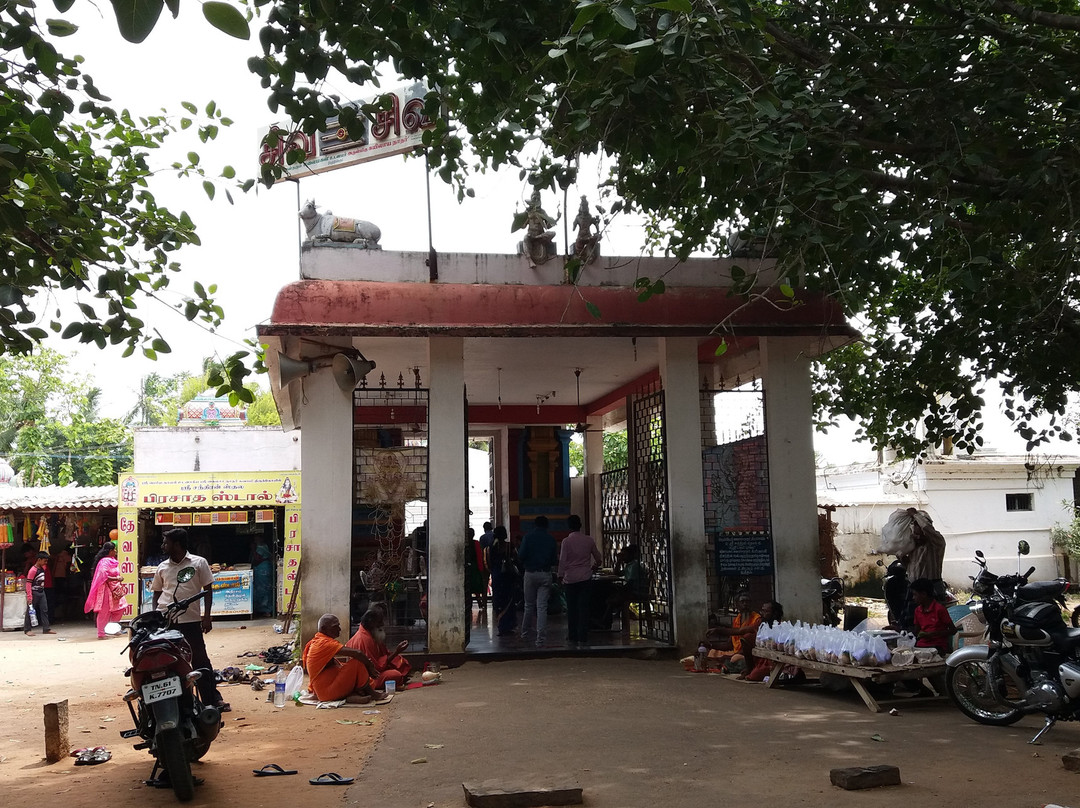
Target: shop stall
column 68, row 522
column 245, row 524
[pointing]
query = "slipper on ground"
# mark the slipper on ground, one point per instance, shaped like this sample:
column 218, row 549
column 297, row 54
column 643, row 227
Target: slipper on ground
column 272, row 770
column 385, row 700
column 330, row 779
column 92, row 757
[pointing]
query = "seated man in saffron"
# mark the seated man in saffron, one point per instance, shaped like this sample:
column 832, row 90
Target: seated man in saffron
column 333, row 679
column 370, row 638
column 741, row 631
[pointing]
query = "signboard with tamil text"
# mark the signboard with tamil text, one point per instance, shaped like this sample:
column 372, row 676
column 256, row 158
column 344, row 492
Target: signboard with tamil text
column 743, row 553
column 396, row 128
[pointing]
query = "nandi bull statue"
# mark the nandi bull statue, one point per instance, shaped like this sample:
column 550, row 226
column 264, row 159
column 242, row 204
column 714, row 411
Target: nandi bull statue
column 325, row 226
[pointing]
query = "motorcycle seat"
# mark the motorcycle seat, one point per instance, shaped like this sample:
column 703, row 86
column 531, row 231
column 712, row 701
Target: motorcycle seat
column 1041, row 590
column 1067, row 641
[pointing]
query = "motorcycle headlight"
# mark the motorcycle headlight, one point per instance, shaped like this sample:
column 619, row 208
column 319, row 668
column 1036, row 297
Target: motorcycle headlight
column 977, row 610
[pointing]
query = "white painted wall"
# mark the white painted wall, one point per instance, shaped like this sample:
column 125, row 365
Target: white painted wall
column 164, row 450
column 966, row 500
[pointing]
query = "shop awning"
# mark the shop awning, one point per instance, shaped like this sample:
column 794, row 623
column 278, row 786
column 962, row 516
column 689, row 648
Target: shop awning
column 58, row 498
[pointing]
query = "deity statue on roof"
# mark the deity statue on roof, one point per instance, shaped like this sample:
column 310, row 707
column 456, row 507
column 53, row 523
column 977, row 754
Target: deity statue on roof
column 538, row 244
column 587, row 244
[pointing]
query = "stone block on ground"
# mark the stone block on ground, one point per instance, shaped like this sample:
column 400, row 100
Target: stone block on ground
column 499, row 794
column 1071, row 760
column 858, row 777
column 57, row 745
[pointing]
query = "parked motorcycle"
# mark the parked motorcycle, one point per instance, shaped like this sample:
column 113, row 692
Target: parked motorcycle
column 1031, row 660
column 163, row 701
column 832, row 600
column 896, row 590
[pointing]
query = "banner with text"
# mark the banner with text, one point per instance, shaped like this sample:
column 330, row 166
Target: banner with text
column 396, row 127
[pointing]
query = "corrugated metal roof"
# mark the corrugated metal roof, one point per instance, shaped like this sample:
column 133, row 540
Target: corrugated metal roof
column 58, row 498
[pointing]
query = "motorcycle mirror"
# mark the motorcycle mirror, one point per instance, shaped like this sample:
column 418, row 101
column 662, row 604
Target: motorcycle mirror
column 185, row 575
column 979, row 554
column 1023, row 548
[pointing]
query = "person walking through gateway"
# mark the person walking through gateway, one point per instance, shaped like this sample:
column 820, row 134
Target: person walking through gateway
column 538, row 554
column 578, row 557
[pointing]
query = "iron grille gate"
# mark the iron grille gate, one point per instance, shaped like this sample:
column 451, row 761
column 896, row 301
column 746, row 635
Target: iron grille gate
column 648, row 464
column 389, row 538
column 614, row 513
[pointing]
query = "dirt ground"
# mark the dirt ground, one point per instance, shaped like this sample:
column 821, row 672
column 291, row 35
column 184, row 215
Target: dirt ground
column 630, row 732
column 76, row 666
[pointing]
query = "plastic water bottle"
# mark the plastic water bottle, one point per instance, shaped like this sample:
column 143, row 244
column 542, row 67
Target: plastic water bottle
column 701, row 660
column 279, row 688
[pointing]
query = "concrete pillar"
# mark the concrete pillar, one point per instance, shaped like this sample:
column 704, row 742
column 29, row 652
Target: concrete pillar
column 57, row 744
column 594, row 467
column 448, row 512
column 686, row 502
column 792, row 490
column 326, row 507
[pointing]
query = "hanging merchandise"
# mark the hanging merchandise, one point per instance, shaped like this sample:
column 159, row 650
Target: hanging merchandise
column 43, row 545
column 27, row 530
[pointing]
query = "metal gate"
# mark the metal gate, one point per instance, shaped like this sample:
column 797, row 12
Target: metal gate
column 389, row 537
column 649, row 525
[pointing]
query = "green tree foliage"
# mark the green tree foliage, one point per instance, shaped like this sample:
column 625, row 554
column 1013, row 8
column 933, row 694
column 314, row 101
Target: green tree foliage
column 158, row 400
column 49, row 425
column 77, row 219
column 263, row 412
column 920, row 162
column 615, row 452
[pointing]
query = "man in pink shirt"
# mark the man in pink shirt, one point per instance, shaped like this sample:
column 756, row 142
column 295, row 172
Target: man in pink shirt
column 578, row 557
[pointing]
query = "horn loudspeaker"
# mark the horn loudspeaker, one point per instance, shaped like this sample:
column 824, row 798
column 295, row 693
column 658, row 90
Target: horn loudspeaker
column 289, row 369
column 348, row 371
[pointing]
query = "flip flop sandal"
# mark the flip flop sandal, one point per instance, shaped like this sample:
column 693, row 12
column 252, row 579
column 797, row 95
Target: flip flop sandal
column 330, row 779
column 257, row 683
column 92, row 757
column 384, row 700
column 272, row 770
column 272, row 669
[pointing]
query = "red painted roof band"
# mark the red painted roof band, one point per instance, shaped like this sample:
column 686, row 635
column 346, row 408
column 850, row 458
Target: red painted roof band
column 351, row 306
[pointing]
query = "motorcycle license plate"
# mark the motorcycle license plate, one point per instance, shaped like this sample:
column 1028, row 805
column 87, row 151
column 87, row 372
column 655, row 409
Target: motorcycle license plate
column 163, row 689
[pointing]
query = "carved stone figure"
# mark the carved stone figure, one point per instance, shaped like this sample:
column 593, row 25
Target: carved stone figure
column 587, row 245
column 326, row 227
column 538, row 245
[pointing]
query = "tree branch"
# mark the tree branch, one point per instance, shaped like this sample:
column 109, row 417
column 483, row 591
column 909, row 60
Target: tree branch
column 1066, row 22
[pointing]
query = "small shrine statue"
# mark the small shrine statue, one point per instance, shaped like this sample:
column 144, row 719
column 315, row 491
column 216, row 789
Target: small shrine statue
column 326, row 228
column 587, row 245
column 538, row 245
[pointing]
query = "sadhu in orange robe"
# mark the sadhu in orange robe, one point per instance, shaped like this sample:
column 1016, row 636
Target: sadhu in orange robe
column 397, row 668
column 332, row 679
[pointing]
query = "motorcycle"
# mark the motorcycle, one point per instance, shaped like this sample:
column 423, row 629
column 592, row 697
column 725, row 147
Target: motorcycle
column 1030, row 662
column 832, row 600
column 173, row 724
column 896, row 590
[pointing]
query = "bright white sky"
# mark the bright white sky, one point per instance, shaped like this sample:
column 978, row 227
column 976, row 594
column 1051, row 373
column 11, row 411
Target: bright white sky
column 251, row 249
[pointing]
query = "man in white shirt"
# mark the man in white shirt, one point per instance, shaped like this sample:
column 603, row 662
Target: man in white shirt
column 196, row 621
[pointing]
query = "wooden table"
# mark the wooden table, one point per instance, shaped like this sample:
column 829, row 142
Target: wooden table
column 858, row 676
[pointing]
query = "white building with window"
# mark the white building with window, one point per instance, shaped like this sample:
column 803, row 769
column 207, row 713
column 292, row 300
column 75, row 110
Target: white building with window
column 984, row 502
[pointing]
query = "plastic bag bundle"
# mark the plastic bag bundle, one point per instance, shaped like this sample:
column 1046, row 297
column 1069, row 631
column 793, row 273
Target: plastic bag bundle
column 826, row 644
column 896, row 535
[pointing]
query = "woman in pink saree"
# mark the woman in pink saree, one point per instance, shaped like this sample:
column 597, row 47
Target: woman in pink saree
column 106, row 591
